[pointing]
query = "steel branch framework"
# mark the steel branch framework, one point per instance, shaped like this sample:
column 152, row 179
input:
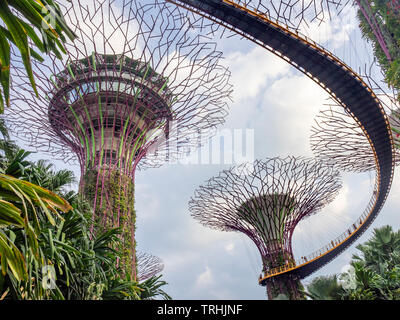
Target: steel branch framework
column 139, row 87
column 148, row 266
column 294, row 13
column 344, row 85
column 266, row 203
column 337, row 139
column 376, row 15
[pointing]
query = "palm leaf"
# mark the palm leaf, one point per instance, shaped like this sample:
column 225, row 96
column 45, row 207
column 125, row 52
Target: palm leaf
column 20, row 37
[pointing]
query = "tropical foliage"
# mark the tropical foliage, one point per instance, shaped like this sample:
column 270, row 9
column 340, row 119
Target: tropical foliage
column 387, row 15
column 21, row 23
column 374, row 272
column 21, row 206
column 46, row 249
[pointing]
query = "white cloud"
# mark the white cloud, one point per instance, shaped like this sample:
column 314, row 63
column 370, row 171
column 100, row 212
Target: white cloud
column 287, row 113
column 178, row 262
column 230, row 248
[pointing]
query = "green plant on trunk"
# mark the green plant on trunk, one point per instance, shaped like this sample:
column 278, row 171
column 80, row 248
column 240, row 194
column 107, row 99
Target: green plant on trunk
column 82, row 266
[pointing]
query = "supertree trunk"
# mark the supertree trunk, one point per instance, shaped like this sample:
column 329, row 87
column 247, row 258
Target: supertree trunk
column 286, row 284
column 113, row 195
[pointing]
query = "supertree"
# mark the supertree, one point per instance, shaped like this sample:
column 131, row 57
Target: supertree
column 338, row 139
column 148, row 266
column 137, row 88
column 266, row 201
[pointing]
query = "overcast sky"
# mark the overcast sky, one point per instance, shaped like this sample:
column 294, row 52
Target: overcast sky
column 277, row 104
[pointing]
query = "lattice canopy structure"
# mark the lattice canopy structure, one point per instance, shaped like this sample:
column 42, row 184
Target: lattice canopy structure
column 266, row 203
column 113, row 105
column 337, row 139
column 378, row 19
column 139, row 87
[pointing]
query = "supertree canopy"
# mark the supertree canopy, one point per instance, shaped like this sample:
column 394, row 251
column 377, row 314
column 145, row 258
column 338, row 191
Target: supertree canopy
column 294, row 13
column 148, row 266
column 337, row 139
column 266, row 203
column 139, row 87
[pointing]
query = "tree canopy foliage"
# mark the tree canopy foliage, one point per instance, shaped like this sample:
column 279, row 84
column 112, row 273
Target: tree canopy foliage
column 46, row 248
column 387, row 15
column 26, row 27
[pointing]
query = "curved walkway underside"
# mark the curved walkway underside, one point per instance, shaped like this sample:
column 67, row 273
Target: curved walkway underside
column 342, row 83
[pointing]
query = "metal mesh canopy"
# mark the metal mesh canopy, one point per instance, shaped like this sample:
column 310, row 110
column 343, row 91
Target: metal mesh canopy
column 266, row 202
column 337, row 138
column 148, row 266
column 295, row 13
column 269, row 214
column 138, row 85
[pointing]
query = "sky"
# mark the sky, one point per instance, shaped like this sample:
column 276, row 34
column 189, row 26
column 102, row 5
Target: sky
column 274, row 107
column 278, row 104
